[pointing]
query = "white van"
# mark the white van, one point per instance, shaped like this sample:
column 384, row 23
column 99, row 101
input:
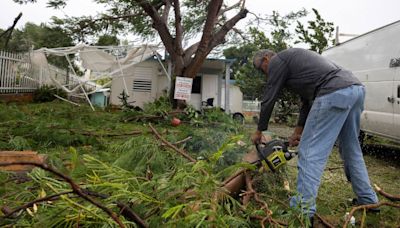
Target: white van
column 374, row 58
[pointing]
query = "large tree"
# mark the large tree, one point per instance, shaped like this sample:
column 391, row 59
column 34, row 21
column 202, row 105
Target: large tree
column 176, row 23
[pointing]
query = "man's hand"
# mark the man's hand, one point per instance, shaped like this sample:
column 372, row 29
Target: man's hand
column 256, row 138
column 294, row 140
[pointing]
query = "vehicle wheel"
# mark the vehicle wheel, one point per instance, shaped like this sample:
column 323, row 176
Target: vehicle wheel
column 238, row 117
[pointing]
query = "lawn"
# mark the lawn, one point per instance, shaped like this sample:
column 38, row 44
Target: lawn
column 118, row 161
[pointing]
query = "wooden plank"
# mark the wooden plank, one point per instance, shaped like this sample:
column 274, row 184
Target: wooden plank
column 20, row 156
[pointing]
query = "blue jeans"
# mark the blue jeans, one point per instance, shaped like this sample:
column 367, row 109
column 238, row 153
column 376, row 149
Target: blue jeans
column 333, row 116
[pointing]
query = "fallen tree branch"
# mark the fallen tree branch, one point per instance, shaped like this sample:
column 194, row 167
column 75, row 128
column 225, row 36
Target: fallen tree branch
column 240, row 172
column 334, row 168
column 143, row 118
column 128, row 213
column 75, row 188
column 326, row 223
column 152, row 117
column 89, row 133
column 125, row 210
column 112, row 134
column 30, row 204
column 9, row 31
column 181, row 152
column 263, row 204
column 368, row 206
column 387, row 195
column 180, row 141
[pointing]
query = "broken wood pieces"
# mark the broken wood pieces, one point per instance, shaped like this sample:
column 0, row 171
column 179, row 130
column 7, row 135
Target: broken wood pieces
column 20, row 156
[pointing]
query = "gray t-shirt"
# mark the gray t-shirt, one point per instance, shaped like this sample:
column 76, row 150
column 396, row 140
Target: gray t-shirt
column 306, row 73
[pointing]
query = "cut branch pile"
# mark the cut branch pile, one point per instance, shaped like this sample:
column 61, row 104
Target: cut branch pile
column 76, row 189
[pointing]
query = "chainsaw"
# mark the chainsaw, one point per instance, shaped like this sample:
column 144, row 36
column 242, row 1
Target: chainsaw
column 274, row 154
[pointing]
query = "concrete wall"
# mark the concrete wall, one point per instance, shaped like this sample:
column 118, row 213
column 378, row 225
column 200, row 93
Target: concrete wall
column 17, row 97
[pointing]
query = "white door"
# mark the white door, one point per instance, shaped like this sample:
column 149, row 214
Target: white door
column 143, row 86
column 378, row 112
column 209, row 87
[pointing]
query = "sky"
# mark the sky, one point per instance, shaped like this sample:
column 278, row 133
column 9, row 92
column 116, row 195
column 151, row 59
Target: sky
column 352, row 16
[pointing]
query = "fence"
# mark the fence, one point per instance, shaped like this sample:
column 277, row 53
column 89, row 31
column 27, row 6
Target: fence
column 15, row 73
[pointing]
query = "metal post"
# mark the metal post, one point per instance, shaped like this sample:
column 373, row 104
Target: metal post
column 219, row 92
column 337, row 36
column 227, row 80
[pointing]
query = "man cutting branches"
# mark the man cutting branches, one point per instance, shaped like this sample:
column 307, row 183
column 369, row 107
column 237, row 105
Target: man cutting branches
column 332, row 102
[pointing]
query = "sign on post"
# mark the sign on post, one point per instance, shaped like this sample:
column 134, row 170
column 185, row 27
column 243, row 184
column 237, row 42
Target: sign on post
column 183, row 88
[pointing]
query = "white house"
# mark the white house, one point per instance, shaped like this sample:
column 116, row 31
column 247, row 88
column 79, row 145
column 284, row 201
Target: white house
column 148, row 80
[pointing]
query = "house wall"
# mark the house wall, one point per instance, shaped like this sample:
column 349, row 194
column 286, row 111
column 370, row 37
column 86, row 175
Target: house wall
column 151, row 70
column 142, row 84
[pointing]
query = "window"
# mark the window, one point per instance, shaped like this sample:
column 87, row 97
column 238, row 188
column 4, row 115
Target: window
column 196, row 87
column 141, row 85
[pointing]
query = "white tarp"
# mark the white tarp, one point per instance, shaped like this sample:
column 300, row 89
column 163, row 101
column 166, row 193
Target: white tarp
column 96, row 60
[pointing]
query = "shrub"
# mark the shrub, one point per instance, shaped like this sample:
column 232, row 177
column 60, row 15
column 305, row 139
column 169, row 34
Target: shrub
column 46, row 94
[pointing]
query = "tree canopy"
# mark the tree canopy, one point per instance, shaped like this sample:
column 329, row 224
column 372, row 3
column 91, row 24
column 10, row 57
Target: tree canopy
column 33, row 36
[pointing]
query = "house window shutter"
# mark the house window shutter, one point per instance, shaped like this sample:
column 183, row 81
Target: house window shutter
column 141, row 85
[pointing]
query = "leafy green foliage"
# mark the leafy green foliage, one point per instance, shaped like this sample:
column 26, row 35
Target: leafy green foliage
column 106, row 39
column 46, row 93
column 19, row 143
column 159, row 106
column 51, row 124
column 281, row 34
column 123, row 97
column 136, row 170
column 127, row 16
column 318, row 33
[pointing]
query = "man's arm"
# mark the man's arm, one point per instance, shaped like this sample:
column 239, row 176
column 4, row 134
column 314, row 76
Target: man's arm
column 267, row 105
column 304, row 110
column 294, row 139
column 277, row 74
